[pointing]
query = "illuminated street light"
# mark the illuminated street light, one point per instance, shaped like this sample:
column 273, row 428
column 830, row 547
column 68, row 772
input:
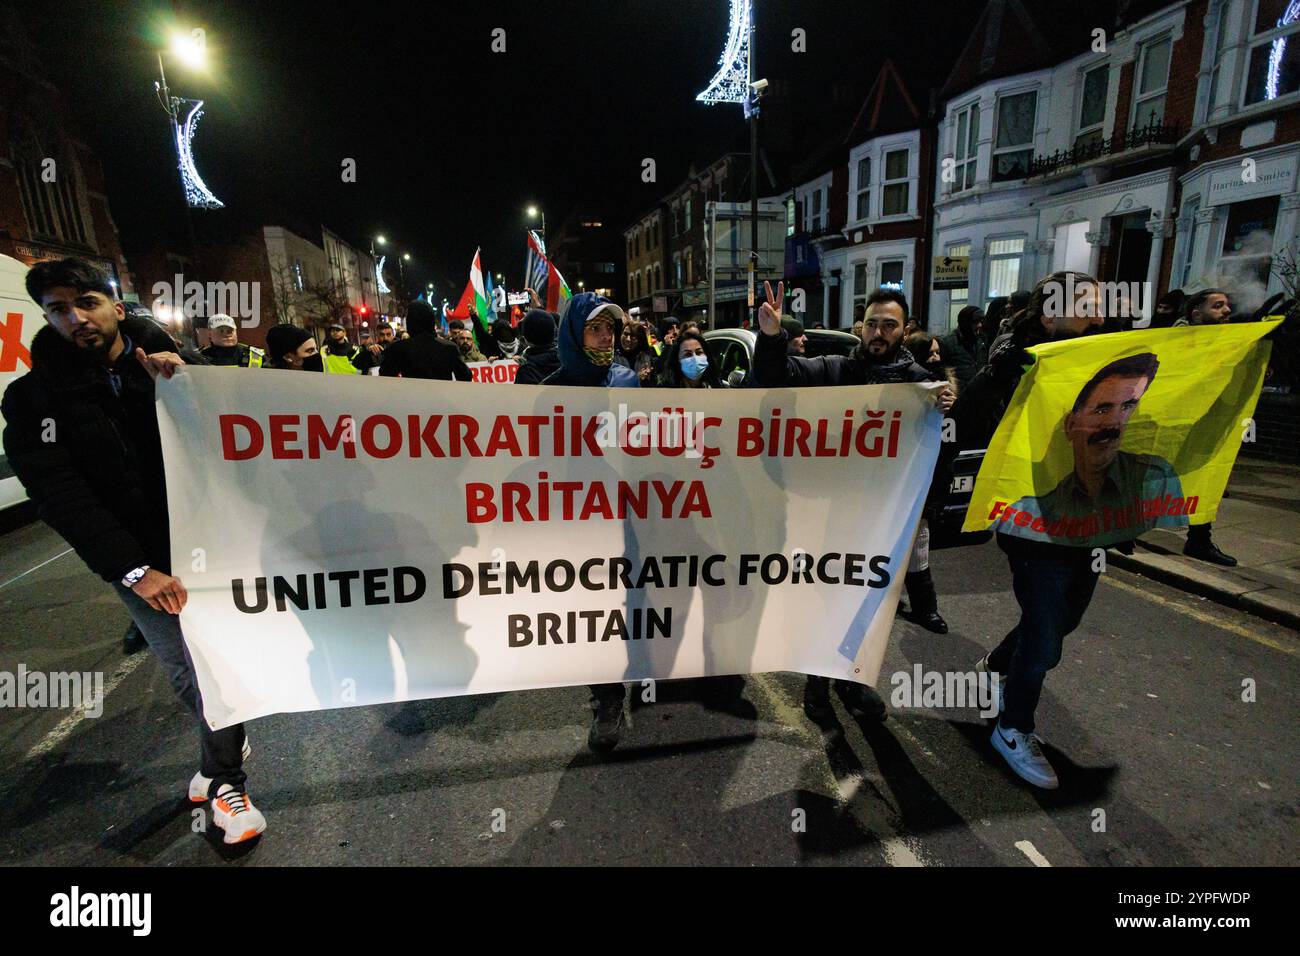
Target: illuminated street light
column 533, row 212
column 190, row 50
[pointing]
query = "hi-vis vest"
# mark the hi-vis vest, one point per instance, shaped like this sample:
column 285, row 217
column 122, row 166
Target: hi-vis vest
column 249, row 357
column 341, row 364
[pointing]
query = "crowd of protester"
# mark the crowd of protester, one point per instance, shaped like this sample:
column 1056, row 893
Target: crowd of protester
column 95, row 365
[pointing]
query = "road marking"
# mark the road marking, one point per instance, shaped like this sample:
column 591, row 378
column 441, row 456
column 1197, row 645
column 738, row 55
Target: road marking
column 1028, row 849
column 37, row 568
column 1203, row 617
column 893, row 847
column 70, row 723
column 898, row 853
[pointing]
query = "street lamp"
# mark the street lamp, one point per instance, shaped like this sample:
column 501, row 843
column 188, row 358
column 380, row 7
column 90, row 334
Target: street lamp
column 191, row 50
column 533, row 213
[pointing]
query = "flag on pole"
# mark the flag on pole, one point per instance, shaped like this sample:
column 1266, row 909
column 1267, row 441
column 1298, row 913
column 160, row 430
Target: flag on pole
column 557, row 290
column 482, row 303
column 536, row 268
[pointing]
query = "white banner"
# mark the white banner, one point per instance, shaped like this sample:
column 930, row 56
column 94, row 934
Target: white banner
column 348, row 540
column 496, row 372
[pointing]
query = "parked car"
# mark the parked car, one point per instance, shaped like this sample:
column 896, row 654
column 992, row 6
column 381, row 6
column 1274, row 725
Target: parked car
column 732, row 352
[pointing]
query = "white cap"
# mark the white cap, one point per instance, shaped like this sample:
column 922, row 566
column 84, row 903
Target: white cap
column 221, row 320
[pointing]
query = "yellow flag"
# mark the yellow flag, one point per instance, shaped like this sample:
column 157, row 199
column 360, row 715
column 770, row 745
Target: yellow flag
column 1108, row 436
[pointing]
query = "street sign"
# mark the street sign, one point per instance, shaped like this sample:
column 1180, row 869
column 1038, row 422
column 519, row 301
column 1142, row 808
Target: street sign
column 951, row 272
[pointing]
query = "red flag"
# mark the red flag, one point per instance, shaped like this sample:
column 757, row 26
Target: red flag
column 557, row 290
column 462, row 307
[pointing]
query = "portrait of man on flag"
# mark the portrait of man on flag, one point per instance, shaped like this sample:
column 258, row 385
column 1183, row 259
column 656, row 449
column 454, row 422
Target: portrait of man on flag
column 1108, row 487
column 1122, row 434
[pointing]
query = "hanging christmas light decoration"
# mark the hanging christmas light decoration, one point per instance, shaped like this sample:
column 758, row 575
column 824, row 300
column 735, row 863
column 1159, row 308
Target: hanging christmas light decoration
column 197, row 193
column 379, row 274
column 731, row 83
column 1278, row 49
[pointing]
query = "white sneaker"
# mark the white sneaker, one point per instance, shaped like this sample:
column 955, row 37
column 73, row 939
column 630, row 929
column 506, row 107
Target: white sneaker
column 233, row 811
column 982, row 667
column 1024, row 755
column 200, row 785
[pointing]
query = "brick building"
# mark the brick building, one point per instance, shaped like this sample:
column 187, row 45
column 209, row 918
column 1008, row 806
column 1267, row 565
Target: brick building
column 860, row 215
column 53, row 199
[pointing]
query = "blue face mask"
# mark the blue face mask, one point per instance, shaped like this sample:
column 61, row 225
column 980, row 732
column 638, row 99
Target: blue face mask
column 693, row 366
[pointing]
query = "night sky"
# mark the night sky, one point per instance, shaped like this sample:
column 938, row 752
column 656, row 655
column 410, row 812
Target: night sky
column 451, row 140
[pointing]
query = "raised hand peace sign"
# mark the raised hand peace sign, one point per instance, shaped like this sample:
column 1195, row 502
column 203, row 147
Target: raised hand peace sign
column 769, row 313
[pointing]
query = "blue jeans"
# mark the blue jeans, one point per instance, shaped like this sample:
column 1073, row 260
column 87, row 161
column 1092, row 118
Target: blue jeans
column 221, row 751
column 1053, row 594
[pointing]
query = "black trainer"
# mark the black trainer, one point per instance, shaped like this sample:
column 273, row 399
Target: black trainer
column 606, row 725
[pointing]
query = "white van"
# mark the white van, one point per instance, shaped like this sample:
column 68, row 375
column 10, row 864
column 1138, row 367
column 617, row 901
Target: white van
column 20, row 319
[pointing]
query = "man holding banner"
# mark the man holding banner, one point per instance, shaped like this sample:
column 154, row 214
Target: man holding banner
column 1058, row 487
column 589, row 327
column 881, row 358
column 82, row 436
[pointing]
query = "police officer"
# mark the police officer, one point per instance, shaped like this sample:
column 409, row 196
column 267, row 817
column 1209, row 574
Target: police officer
column 342, row 357
column 225, row 348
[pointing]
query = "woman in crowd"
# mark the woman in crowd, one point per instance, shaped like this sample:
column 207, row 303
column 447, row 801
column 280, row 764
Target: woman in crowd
column 687, row 364
column 634, row 349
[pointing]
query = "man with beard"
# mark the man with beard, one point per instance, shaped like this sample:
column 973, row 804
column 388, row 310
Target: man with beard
column 385, row 335
column 1207, row 307
column 880, row 359
column 82, row 437
column 463, row 339
column 1053, row 583
column 224, row 347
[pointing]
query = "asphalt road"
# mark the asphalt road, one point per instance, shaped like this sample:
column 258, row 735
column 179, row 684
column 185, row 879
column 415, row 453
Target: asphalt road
column 1144, row 720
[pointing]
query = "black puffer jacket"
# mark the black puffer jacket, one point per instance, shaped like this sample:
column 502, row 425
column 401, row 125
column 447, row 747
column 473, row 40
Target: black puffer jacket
column 773, row 368
column 98, row 479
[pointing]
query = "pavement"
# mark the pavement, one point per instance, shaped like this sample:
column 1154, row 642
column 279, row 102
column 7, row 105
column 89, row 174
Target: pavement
column 1259, row 525
column 1164, row 757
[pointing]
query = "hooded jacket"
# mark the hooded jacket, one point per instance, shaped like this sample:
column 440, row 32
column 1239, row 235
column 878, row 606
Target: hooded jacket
column 539, row 361
column 575, row 368
column 100, row 482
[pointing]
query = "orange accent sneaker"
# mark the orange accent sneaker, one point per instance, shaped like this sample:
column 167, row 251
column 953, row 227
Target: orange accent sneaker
column 233, row 812
column 200, row 785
